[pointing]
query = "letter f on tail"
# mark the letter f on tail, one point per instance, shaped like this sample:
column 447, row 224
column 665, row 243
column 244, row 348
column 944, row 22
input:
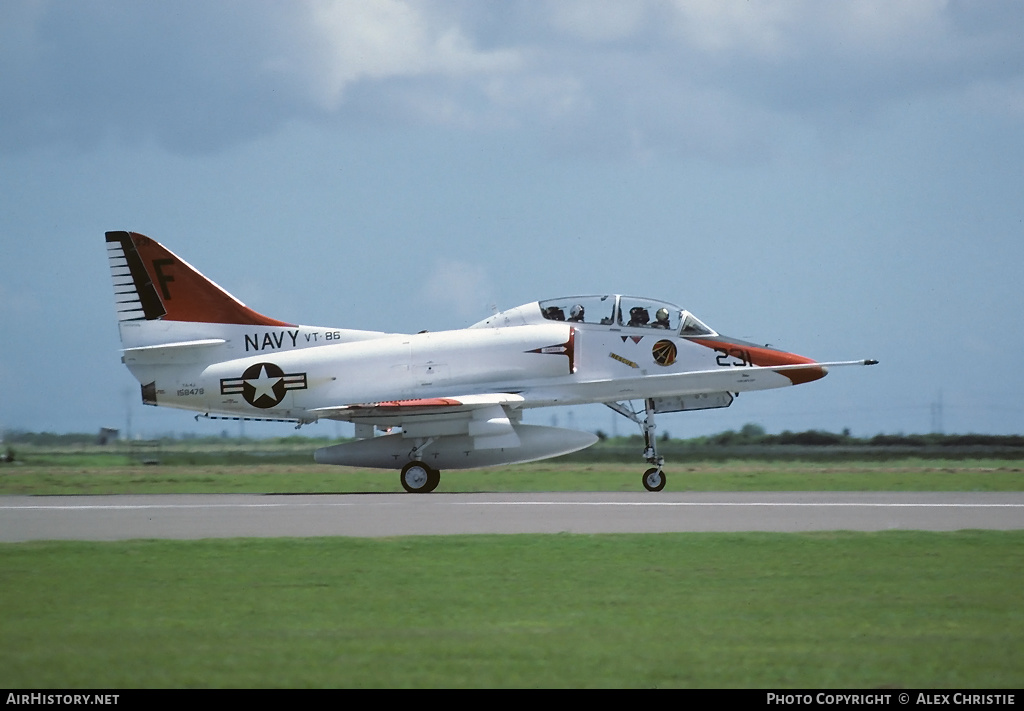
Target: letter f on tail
column 151, row 282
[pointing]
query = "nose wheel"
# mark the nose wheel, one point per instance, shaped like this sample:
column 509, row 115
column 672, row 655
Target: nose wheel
column 654, row 479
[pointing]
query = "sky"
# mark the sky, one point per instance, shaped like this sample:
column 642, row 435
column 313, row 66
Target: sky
column 841, row 180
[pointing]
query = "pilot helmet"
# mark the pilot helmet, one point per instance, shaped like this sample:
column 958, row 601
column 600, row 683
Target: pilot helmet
column 662, row 315
column 576, row 311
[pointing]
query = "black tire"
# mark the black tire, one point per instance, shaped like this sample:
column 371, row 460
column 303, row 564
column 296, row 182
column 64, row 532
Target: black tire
column 433, row 478
column 654, row 479
column 416, row 478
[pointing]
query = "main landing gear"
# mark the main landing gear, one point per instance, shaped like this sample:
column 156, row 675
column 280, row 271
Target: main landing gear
column 654, row 478
column 419, row 478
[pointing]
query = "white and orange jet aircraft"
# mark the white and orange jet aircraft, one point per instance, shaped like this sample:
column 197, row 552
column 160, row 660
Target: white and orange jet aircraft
column 446, row 399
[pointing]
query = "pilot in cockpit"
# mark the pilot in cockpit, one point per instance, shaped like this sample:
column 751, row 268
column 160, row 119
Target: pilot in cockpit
column 576, row 313
column 638, row 316
column 554, row 313
column 661, row 319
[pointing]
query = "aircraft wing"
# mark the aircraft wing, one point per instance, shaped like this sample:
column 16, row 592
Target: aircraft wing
column 482, row 417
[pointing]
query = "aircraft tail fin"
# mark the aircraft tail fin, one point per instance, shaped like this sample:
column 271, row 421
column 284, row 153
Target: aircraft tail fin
column 152, row 283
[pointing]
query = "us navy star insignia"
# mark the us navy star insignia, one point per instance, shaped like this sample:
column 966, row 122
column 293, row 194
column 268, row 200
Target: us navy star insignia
column 263, row 385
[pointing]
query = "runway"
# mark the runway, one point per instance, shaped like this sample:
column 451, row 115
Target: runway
column 107, row 518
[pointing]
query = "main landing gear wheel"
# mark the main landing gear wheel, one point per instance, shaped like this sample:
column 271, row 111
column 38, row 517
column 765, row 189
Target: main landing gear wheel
column 418, row 478
column 654, row 479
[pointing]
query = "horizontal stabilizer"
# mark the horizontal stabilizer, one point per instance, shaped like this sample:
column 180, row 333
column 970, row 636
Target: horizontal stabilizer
column 179, row 344
column 168, row 353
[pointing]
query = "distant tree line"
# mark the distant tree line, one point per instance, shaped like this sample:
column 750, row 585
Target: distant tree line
column 752, row 434
column 749, row 434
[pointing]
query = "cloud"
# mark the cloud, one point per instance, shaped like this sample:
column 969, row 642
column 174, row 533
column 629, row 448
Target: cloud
column 197, row 76
column 687, row 76
column 357, row 41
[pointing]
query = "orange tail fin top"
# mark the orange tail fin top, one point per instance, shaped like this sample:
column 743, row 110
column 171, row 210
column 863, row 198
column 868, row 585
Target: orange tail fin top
column 151, row 282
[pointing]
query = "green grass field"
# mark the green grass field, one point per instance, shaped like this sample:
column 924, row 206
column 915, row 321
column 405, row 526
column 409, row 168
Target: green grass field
column 834, row 610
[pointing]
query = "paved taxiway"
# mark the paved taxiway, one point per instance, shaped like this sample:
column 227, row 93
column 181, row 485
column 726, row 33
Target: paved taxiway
column 101, row 518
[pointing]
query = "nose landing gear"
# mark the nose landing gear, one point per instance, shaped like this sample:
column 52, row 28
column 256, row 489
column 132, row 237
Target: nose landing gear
column 654, row 478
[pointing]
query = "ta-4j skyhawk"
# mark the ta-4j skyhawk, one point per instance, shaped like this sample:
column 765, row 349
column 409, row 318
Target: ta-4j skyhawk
column 429, row 401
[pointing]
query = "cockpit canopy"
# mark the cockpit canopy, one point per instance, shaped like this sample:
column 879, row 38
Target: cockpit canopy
column 610, row 310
